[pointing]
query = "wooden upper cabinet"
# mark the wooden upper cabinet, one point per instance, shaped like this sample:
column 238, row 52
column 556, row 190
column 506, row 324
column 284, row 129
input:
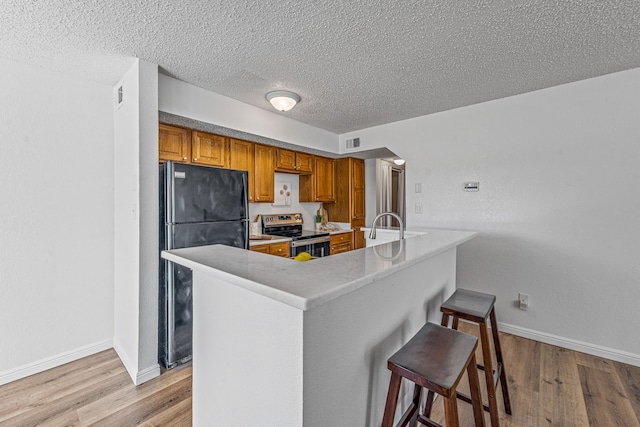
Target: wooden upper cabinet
column 304, row 162
column 293, row 161
column 350, row 193
column 285, row 159
column 174, row 143
column 324, row 173
column 265, row 161
column 241, row 157
column 319, row 186
column 210, row 150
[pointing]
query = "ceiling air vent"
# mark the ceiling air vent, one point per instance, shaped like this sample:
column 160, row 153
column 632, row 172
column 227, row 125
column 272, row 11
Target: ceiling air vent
column 352, row 143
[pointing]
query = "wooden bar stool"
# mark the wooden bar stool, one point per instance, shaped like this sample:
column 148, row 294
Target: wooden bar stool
column 435, row 358
column 479, row 308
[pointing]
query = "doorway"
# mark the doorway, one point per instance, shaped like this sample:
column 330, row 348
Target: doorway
column 390, row 191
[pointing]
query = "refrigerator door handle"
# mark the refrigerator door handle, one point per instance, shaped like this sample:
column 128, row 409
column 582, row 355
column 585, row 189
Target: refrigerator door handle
column 246, row 193
column 168, row 188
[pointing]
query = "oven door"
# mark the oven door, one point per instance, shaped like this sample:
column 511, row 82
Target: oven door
column 314, row 247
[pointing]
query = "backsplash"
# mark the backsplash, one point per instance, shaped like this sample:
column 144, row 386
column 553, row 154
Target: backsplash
column 287, row 203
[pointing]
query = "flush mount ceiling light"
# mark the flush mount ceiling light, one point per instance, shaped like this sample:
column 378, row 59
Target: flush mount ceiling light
column 398, row 161
column 283, row 100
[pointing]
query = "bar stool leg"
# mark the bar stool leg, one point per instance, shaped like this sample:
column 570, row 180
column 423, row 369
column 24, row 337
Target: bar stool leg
column 503, row 375
column 488, row 373
column 451, row 411
column 392, row 400
column 476, row 397
column 417, row 393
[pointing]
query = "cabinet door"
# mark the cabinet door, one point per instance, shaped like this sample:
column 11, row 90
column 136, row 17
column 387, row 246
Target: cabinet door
column 359, row 240
column 260, row 248
column 242, row 158
column 264, row 173
column 210, row 150
column 279, row 249
column 358, row 207
column 304, row 162
column 324, row 180
column 174, row 143
column 285, row 160
column 340, row 243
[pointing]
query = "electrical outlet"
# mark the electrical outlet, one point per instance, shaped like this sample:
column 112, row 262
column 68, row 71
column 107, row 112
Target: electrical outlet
column 418, row 208
column 523, row 299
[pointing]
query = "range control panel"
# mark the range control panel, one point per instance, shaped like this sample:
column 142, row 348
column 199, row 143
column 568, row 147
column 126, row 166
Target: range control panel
column 282, row 219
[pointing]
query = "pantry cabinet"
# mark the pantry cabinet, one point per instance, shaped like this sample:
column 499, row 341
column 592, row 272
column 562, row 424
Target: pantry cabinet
column 350, row 197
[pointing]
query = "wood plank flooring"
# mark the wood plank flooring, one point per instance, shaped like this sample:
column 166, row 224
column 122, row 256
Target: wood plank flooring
column 97, row 391
column 549, row 386
column 553, row 386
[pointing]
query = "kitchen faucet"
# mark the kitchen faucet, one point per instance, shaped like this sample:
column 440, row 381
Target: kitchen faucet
column 372, row 235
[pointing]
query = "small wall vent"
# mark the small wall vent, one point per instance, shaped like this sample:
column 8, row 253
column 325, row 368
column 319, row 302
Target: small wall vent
column 352, row 143
column 118, row 97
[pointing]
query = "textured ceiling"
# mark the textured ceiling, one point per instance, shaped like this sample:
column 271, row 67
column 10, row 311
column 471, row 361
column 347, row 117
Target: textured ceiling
column 355, row 64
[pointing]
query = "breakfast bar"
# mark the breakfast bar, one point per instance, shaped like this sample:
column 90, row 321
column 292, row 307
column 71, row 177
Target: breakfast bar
column 287, row 343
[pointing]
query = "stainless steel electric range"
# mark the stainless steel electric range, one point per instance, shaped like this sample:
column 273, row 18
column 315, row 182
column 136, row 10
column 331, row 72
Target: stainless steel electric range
column 316, row 243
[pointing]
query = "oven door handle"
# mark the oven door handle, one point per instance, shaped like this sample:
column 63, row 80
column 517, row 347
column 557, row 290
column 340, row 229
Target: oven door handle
column 306, row 242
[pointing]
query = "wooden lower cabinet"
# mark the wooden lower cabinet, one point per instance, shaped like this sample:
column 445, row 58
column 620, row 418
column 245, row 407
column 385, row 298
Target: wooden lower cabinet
column 277, row 249
column 342, row 242
column 359, row 240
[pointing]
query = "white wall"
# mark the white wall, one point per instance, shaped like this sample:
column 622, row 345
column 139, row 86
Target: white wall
column 190, row 101
column 308, row 210
column 136, row 223
column 56, row 228
column 558, row 205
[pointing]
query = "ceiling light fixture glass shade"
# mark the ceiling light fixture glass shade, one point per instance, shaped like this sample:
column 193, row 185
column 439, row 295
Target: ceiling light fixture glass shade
column 283, row 100
column 398, row 161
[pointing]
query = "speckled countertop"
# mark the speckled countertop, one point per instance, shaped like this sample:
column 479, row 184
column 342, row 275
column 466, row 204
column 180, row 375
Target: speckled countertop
column 305, row 285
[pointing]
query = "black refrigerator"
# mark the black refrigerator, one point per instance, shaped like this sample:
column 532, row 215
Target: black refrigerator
column 198, row 206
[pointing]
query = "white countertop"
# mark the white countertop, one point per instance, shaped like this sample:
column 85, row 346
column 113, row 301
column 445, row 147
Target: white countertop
column 305, row 285
column 259, row 242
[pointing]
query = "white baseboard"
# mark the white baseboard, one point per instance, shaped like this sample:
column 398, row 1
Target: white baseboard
column 138, row 377
column 571, row 344
column 147, row 374
column 53, row 361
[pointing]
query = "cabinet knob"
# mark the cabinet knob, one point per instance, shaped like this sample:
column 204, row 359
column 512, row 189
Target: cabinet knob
column 257, row 198
column 184, row 158
column 195, row 160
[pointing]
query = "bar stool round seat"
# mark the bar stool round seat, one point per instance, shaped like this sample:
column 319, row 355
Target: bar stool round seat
column 435, row 358
column 479, row 308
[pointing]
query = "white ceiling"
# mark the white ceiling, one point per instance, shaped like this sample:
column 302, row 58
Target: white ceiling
column 355, row 64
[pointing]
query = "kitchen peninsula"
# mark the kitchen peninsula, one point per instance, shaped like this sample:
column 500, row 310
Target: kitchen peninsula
column 288, row 343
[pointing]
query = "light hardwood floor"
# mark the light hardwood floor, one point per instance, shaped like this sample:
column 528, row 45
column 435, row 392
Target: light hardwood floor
column 549, row 386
